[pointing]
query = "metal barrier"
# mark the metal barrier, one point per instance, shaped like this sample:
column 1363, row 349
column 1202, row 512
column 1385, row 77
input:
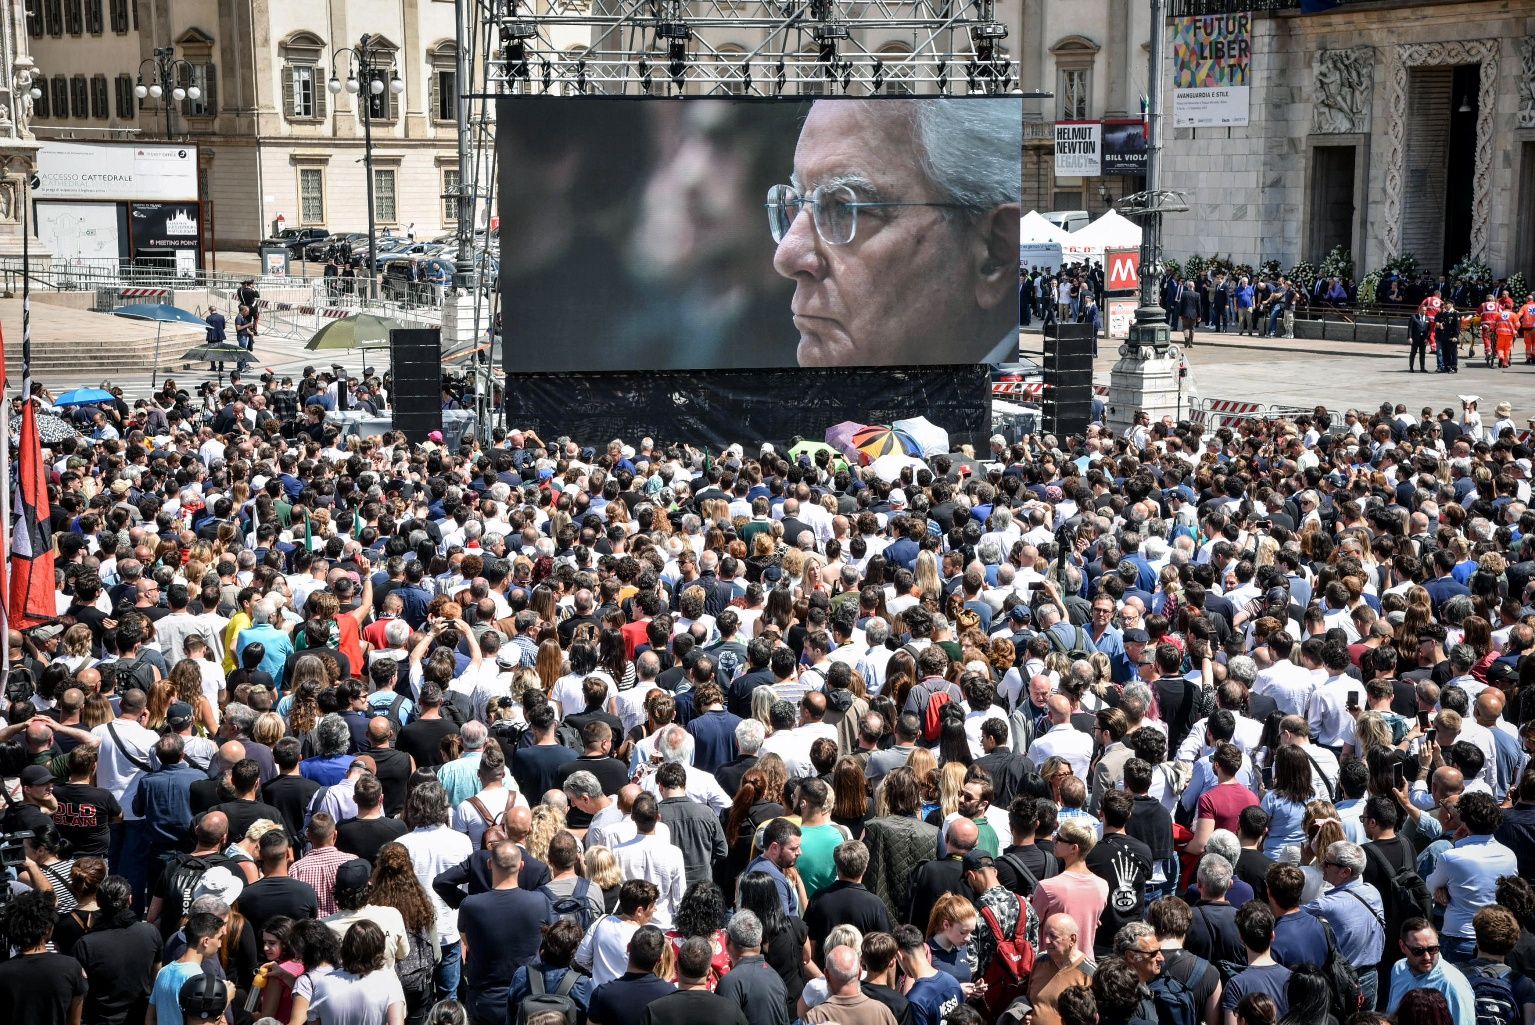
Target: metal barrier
column 1231, row 412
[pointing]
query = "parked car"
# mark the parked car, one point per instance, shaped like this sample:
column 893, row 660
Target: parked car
column 315, row 251
column 297, row 240
column 415, row 278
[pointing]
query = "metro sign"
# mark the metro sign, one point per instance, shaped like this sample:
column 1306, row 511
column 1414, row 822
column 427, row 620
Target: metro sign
column 1123, row 270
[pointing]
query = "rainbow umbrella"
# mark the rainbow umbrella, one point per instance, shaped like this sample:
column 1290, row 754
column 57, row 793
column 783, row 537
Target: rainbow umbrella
column 876, row 441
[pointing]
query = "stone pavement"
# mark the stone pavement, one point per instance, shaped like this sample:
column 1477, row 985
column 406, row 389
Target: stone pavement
column 1339, row 375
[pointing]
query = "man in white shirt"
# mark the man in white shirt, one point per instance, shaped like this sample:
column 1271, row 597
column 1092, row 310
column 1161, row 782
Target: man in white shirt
column 649, row 857
column 1329, row 715
column 604, row 950
column 675, row 744
column 1290, row 685
column 785, row 741
column 1063, row 739
column 125, row 754
column 1455, row 727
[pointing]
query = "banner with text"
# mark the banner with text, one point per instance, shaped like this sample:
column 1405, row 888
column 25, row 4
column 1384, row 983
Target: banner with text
column 1124, row 148
column 1078, row 149
column 1212, row 64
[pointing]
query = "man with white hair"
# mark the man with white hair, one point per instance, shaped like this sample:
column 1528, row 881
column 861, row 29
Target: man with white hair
column 846, row 1002
column 749, row 736
column 460, row 777
column 265, row 619
column 935, row 279
column 674, row 744
column 1355, row 911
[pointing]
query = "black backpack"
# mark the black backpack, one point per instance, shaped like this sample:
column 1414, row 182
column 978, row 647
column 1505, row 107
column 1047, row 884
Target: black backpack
column 139, row 673
column 392, row 712
column 19, row 686
column 1405, row 894
column 181, row 879
column 540, row 1000
column 575, row 907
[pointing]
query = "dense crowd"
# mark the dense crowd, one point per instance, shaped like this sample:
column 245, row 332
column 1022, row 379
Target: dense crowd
column 1156, row 729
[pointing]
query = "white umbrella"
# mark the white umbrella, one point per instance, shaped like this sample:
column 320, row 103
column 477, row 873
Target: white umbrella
column 930, row 438
column 888, row 467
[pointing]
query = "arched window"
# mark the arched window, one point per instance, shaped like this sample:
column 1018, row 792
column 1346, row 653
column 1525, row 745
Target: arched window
column 1074, row 60
column 899, row 72
column 303, row 77
column 443, row 83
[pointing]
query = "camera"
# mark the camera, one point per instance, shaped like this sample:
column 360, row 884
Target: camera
column 13, row 851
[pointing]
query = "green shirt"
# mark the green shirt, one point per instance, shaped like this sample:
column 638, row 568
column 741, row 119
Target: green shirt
column 816, row 865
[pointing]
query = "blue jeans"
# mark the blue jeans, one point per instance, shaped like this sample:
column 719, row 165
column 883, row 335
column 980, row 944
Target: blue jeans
column 1369, row 986
column 448, row 969
column 1274, row 314
column 128, row 854
column 1456, row 950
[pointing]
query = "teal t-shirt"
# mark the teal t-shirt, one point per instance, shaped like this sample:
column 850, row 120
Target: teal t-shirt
column 816, row 865
column 166, row 996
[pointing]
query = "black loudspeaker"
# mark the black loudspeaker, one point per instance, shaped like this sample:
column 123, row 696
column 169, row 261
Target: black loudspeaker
column 1067, row 406
column 416, row 405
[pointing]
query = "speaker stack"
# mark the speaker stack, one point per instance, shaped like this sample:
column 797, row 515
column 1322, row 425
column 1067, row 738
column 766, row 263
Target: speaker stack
column 416, row 404
column 1067, row 406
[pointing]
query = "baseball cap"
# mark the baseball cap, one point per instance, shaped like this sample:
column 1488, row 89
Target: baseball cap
column 202, row 998
column 434, row 436
column 179, row 715
column 1020, row 613
column 221, row 883
column 1135, row 635
column 354, row 874
column 897, row 497
column 35, row 776
column 976, row 860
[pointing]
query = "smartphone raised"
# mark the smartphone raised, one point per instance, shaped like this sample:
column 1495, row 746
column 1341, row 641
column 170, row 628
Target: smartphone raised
column 1401, row 775
column 1431, row 735
column 1353, row 699
column 1422, row 720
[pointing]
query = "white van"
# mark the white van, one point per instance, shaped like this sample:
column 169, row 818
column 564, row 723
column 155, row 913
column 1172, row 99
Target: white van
column 1068, row 220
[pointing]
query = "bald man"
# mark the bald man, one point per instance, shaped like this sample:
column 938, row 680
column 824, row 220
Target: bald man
column 473, row 875
column 215, row 790
column 169, row 893
column 945, row 875
column 846, row 1001
column 1509, row 758
column 1063, row 739
column 1058, row 970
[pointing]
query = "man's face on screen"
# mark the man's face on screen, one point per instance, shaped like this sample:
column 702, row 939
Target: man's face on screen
column 904, row 290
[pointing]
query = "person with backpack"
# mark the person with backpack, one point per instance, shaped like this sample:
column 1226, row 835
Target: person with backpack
column 549, row 983
column 1356, row 913
column 1501, row 993
column 1169, row 1000
column 572, row 896
column 126, row 755
column 500, row 929
column 1171, row 919
column 1063, row 739
column 171, row 894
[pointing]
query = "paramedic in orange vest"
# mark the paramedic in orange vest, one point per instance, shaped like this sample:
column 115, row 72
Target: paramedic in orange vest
column 1488, row 311
column 1527, row 325
column 1507, row 326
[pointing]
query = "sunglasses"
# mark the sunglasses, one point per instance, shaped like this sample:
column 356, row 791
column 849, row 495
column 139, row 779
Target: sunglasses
column 1420, row 951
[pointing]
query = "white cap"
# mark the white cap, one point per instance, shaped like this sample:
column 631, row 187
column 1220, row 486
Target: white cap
column 897, row 497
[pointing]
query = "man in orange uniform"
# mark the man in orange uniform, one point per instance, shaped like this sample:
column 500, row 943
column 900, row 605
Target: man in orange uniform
column 1506, row 327
column 1527, row 326
column 1489, row 311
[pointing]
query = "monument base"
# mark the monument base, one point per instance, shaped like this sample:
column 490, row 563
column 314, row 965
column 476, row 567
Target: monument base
column 18, row 160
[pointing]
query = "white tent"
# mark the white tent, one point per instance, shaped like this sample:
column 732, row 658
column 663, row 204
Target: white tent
column 1111, row 231
column 1034, row 228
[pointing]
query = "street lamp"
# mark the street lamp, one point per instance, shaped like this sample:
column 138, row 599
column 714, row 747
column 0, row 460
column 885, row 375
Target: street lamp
column 163, row 66
column 359, row 61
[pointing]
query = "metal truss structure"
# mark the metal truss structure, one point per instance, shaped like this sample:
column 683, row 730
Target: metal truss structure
column 748, row 47
column 670, row 48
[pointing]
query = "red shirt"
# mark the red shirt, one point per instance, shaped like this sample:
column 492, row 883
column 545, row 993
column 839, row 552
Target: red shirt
column 373, row 633
column 1489, row 310
column 1225, row 803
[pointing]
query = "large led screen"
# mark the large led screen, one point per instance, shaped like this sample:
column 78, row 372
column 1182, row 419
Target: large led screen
column 703, row 234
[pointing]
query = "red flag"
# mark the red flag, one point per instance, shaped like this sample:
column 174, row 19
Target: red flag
column 32, row 585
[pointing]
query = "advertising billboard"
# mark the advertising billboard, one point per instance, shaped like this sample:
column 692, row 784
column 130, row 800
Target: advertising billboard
column 1212, row 64
column 1124, row 148
column 1078, row 149
column 719, row 234
column 164, row 230
column 118, row 171
column 76, row 232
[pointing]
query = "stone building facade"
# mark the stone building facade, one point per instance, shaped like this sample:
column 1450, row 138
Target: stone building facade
column 1385, row 128
column 1093, row 56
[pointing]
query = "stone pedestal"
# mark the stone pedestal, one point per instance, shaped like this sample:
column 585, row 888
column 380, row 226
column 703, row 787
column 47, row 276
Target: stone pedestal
column 1143, row 380
column 460, row 329
column 18, row 161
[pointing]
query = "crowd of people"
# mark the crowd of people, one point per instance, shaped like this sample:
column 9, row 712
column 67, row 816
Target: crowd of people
column 1166, row 728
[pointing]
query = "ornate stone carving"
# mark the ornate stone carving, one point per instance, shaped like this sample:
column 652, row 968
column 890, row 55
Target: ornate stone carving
column 1342, row 91
column 1459, row 51
column 1527, row 82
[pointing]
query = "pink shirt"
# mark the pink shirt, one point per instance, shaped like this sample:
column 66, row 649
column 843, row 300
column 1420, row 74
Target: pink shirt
column 1081, row 895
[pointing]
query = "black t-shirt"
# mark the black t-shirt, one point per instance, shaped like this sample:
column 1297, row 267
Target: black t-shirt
column 422, row 738
column 277, row 895
column 84, row 817
column 1253, row 869
column 537, row 768
column 363, row 837
column 120, row 965
column 623, row 1000
column 243, row 814
column 503, row 928
column 1041, row 862
column 393, row 772
column 1125, row 864
column 695, row 1007
column 38, row 988
column 290, row 795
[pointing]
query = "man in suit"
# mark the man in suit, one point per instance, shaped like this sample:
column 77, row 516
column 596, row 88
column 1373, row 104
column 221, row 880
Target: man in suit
column 216, row 333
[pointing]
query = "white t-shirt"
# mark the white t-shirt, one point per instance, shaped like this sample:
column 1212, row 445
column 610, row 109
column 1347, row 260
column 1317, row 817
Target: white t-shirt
column 342, row 998
column 115, row 771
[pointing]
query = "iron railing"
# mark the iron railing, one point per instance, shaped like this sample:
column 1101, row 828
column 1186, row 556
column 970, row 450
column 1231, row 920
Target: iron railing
column 1215, row 8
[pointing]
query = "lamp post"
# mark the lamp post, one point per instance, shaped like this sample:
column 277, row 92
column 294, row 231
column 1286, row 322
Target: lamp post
column 163, row 67
column 358, row 56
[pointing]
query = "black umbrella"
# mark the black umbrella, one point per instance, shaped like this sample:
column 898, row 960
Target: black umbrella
column 217, row 354
column 50, row 429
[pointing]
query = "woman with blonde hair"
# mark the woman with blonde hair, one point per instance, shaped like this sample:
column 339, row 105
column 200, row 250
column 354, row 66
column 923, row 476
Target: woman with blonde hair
column 927, row 575
column 810, row 579
column 547, row 822
column 161, row 695
column 951, row 782
column 187, row 681
column 76, row 646
column 1323, row 828
column 268, row 728
column 603, row 871
column 1370, row 734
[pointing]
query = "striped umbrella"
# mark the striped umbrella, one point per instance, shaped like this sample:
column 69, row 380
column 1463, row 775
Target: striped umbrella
column 873, row 442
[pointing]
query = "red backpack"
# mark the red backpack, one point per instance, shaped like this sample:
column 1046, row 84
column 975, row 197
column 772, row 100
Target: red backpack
column 1007, row 977
column 932, row 716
